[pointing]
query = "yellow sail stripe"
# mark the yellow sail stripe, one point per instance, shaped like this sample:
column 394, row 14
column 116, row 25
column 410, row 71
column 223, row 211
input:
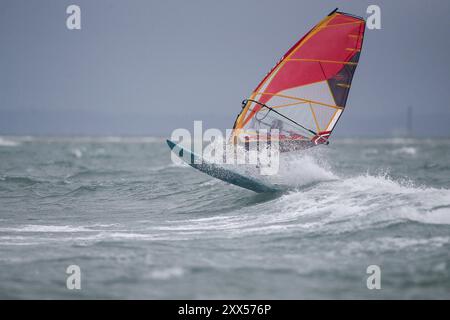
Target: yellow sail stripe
column 325, row 61
column 342, row 24
column 331, row 119
column 314, row 116
column 348, row 18
column 288, row 104
column 301, row 99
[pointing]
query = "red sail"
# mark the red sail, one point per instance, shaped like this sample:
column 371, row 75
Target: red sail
column 305, row 93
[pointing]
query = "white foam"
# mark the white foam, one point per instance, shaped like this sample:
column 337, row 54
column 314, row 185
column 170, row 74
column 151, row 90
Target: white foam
column 365, row 200
column 370, row 151
column 77, row 153
column 411, row 151
column 8, row 143
column 303, row 171
column 168, row 273
column 45, row 228
column 438, row 216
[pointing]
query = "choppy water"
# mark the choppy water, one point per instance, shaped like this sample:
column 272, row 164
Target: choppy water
column 140, row 227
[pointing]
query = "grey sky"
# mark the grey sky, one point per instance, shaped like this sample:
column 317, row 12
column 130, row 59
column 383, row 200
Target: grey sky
column 148, row 67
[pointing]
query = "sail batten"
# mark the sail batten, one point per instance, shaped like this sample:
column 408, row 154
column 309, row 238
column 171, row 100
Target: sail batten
column 310, row 84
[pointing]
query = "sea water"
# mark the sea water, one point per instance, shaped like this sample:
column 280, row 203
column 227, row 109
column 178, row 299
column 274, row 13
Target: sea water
column 138, row 226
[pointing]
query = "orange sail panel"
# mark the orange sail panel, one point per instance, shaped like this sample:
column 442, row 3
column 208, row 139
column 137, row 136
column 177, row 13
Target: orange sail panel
column 305, row 93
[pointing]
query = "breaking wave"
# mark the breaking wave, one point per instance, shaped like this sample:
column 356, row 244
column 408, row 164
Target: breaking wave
column 8, row 143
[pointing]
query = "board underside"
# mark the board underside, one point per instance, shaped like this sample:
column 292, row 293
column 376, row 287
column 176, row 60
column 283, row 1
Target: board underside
column 216, row 171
